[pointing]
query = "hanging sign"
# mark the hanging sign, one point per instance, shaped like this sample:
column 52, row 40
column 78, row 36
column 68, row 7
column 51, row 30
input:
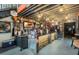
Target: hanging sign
column 21, row 8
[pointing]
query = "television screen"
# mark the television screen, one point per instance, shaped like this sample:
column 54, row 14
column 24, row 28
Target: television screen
column 5, row 27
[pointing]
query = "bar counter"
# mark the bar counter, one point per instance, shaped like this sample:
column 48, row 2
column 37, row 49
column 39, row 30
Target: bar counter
column 45, row 40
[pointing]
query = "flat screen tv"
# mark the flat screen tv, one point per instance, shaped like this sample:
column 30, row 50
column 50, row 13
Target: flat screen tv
column 5, row 27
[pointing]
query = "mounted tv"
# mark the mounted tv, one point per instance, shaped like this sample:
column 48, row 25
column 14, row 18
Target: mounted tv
column 5, row 27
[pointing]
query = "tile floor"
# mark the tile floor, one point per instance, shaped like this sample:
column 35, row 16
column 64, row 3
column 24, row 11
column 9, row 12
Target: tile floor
column 58, row 47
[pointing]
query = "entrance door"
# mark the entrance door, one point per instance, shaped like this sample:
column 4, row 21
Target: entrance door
column 69, row 29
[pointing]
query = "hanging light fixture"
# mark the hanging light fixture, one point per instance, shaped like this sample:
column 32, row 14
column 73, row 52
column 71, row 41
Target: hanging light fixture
column 25, row 24
column 61, row 8
column 39, row 15
column 47, row 19
column 66, row 17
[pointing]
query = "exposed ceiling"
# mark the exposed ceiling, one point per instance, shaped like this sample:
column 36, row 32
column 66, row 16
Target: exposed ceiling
column 68, row 11
column 52, row 11
column 33, row 8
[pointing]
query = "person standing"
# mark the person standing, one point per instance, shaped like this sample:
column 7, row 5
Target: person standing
column 32, row 41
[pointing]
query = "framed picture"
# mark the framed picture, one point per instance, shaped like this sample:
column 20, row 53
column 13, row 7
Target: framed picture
column 5, row 27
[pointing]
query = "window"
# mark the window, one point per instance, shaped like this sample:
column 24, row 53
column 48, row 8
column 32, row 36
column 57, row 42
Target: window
column 5, row 27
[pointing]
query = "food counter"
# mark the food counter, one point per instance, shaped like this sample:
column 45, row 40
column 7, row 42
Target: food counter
column 53, row 36
column 44, row 39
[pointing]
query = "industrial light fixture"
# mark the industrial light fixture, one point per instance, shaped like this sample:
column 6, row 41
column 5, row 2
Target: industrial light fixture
column 52, row 20
column 47, row 19
column 66, row 17
column 56, row 23
column 39, row 15
column 25, row 24
column 61, row 9
column 41, row 25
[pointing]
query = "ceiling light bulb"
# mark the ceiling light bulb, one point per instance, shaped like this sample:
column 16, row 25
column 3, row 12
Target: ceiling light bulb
column 25, row 23
column 52, row 20
column 40, row 15
column 61, row 10
column 47, row 19
column 66, row 17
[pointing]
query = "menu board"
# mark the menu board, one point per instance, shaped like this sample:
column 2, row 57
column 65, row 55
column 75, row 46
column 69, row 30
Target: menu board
column 5, row 27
